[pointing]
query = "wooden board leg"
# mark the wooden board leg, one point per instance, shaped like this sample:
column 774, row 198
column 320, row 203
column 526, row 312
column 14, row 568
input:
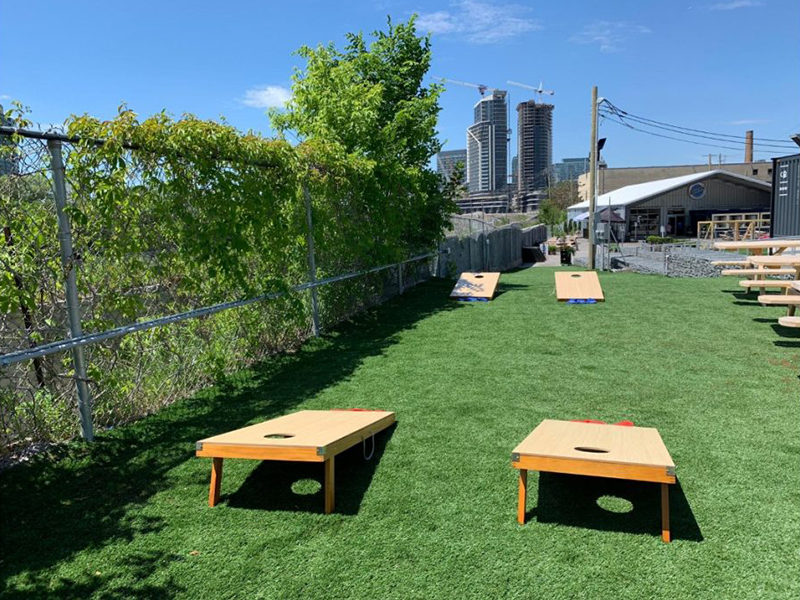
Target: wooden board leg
column 665, row 536
column 329, row 485
column 522, row 496
column 216, row 481
column 761, row 277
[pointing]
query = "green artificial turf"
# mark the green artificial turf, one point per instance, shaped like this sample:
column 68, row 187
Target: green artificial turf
column 432, row 515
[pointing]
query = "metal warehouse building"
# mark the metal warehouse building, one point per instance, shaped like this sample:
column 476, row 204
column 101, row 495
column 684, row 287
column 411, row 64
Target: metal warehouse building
column 678, row 203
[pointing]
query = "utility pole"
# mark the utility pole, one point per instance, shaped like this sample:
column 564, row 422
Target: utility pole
column 592, row 176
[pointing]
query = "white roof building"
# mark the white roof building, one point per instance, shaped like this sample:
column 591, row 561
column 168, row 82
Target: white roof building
column 681, row 201
column 631, row 194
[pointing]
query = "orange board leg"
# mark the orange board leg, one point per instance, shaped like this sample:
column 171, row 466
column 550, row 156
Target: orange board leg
column 216, row 481
column 329, row 485
column 665, row 536
column 522, row 496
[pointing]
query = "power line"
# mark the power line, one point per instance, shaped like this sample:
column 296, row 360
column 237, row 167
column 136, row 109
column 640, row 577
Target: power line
column 688, row 129
column 669, row 137
column 647, row 123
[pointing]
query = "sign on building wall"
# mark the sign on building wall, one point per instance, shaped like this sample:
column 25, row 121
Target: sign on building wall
column 697, row 190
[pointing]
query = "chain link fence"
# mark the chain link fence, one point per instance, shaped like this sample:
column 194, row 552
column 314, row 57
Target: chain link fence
column 111, row 332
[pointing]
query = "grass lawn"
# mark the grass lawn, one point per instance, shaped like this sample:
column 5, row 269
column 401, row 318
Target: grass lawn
column 432, row 515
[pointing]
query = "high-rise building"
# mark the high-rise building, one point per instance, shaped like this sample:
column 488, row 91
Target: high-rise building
column 446, row 162
column 534, row 145
column 487, row 145
column 570, row 168
column 514, row 170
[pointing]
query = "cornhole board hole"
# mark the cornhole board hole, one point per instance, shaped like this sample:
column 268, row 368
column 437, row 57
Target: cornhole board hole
column 635, row 453
column 476, row 287
column 578, row 285
column 305, row 436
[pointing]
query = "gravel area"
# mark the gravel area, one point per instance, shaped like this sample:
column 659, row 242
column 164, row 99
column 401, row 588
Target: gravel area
column 678, row 262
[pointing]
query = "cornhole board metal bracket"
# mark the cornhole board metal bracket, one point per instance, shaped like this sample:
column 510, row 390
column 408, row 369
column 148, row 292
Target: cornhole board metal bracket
column 568, row 447
column 304, row 436
column 475, row 286
column 578, row 285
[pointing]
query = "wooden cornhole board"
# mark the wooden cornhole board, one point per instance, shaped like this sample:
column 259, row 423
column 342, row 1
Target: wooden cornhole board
column 478, row 286
column 305, row 436
column 578, row 285
column 635, row 453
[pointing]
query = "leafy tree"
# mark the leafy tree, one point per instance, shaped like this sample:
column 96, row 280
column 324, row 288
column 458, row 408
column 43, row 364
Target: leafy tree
column 564, row 194
column 368, row 102
column 551, row 214
column 456, row 186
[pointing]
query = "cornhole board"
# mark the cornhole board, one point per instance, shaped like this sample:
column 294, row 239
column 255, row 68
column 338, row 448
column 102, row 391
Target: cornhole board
column 475, row 286
column 578, row 285
column 635, row 453
column 305, row 436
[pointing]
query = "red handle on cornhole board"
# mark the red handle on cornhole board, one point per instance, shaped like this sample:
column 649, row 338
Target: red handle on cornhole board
column 621, row 423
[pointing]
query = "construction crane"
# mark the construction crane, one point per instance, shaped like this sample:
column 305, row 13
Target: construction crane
column 482, row 89
column 540, row 90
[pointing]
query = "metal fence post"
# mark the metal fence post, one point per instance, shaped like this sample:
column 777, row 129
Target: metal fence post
column 312, row 263
column 485, row 245
column 73, row 305
column 400, row 278
column 469, row 244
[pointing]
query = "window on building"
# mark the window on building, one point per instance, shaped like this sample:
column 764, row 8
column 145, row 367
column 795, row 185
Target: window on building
column 769, row 171
column 644, row 222
column 755, row 171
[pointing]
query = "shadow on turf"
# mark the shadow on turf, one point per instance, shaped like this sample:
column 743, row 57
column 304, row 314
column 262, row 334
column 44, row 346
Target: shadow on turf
column 269, row 486
column 94, row 494
column 503, row 288
column 572, row 500
column 791, row 335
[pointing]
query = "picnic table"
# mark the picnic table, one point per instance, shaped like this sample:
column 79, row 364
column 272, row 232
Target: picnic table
column 757, row 247
column 783, row 261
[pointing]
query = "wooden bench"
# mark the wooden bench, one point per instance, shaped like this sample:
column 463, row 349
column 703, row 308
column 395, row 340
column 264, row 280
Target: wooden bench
column 735, row 263
column 790, row 299
column 789, row 321
column 739, row 272
column 766, row 283
column 779, row 299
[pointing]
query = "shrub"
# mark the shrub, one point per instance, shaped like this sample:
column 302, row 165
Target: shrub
column 657, row 239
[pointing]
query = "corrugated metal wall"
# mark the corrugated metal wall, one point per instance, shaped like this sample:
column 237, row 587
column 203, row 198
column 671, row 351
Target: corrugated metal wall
column 786, row 196
column 720, row 195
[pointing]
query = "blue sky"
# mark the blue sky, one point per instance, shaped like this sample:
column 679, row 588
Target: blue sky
column 718, row 65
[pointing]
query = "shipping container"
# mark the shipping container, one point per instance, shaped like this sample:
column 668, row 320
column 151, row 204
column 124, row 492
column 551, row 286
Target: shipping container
column 785, row 206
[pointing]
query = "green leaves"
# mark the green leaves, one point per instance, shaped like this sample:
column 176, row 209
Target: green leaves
column 367, row 107
column 169, row 214
column 214, row 196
